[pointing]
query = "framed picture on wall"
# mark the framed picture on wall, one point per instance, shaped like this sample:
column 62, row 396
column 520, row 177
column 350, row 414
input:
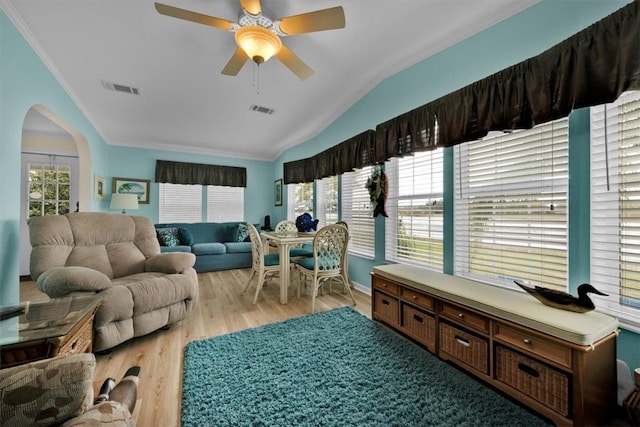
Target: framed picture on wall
column 278, row 192
column 99, row 187
column 139, row 187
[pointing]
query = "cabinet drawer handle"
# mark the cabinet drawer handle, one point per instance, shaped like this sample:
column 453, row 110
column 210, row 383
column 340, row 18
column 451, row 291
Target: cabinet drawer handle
column 385, row 302
column 418, row 318
column 527, row 341
column 462, row 341
column 414, row 297
column 384, row 285
column 528, row 370
column 461, row 315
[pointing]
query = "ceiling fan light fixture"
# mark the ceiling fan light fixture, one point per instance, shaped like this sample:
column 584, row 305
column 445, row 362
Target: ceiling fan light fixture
column 258, row 43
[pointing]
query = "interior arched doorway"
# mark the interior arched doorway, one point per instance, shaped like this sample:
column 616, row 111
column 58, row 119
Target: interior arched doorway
column 60, row 155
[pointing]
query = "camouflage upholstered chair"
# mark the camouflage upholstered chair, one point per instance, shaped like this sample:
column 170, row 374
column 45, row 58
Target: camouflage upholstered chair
column 60, row 391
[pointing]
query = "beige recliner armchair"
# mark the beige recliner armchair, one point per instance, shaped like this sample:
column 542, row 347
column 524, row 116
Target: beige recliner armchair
column 117, row 256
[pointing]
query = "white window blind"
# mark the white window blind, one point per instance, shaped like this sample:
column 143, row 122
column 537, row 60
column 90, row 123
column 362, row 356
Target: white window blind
column 299, row 199
column 511, row 207
column 225, row 204
column 327, row 200
column 414, row 229
column 180, row 203
column 615, row 207
column 356, row 211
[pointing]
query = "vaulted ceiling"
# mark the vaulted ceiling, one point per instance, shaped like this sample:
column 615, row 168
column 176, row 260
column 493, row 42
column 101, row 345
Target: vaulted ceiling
column 184, row 102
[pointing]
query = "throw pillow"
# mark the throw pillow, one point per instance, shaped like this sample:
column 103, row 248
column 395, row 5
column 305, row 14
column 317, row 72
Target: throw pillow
column 185, row 237
column 243, row 233
column 167, row 236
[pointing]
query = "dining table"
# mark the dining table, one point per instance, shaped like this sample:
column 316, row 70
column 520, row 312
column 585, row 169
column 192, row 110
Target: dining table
column 285, row 241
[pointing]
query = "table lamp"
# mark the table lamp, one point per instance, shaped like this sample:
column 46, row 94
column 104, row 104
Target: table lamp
column 124, row 201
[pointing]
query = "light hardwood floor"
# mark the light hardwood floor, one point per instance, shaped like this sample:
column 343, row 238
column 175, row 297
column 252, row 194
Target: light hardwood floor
column 221, row 309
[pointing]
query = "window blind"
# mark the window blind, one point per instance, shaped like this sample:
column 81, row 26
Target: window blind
column 299, row 200
column 180, row 203
column 225, row 204
column 327, row 200
column 356, row 211
column 414, row 229
column 615, row 207
column 511, row 207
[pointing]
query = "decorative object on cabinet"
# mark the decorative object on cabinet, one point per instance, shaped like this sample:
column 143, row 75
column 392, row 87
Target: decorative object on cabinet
column 563, row 300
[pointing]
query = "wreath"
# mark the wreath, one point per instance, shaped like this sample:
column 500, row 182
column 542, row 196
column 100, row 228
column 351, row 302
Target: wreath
column 378, row 187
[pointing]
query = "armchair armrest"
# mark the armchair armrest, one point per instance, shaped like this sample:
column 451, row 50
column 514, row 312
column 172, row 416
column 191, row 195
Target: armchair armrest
column 170, row 262
column 61, row 281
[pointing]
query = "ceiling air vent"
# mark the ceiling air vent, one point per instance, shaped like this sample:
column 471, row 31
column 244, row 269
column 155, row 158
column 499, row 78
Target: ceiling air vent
column 120, row 88
column 261, row 109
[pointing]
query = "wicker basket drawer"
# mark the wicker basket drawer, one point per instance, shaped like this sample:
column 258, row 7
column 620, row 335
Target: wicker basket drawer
column 417, row 298
column 79, row 341
column 529, row 341
column 540, row 382
column 465, row 347
column 420, row 325
column 465, row 317
column 386, row 286
column 386, row 307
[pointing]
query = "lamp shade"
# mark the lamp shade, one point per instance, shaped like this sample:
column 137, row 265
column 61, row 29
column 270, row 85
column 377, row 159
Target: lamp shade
column 258, row 43
column 124, row 201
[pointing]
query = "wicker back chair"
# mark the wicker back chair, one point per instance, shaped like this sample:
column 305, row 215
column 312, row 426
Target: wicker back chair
column 263, row 265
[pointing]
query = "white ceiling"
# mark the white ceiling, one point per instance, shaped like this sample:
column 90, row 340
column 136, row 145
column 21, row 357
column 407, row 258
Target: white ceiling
column 187, row 105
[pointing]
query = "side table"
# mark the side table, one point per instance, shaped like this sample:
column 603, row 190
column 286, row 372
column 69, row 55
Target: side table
column 47, row 328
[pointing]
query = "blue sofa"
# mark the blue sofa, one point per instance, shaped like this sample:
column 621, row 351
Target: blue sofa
column 216, row 245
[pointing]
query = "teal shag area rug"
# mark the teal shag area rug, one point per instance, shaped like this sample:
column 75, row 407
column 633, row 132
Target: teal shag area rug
column 335, row 368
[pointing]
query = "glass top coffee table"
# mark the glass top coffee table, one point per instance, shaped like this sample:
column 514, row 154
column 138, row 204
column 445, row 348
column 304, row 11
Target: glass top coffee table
column 46, row 328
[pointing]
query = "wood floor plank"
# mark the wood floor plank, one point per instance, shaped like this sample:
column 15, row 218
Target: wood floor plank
column 222, row 309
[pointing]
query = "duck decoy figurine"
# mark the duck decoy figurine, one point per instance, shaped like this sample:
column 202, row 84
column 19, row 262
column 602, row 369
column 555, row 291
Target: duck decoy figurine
column 563, row 300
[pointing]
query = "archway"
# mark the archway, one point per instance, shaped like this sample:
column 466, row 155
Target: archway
column 46, row 136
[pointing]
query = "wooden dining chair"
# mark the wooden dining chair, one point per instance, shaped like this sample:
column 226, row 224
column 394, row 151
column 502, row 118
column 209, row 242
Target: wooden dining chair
column 328, row 262
column 263, row 266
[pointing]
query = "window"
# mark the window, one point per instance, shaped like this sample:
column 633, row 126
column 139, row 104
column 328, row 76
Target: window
column 225, row 204
column 49, row 189
column 356, row 211
column 511, row 207
column 300, row 200
column 180, row 203
column 615, row 206
column 414, row 232
column 184, row 203
column 327, row 200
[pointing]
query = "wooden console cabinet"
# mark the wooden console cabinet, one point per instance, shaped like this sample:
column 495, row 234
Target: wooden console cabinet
column 569, row 383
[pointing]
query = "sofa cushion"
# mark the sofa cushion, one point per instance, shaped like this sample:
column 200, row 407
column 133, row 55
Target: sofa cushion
column 243, row 233
column 238, row 247
column 60, row 281
column 168, row 236
column 184, row 237
column 179, row 248
column 208, row 248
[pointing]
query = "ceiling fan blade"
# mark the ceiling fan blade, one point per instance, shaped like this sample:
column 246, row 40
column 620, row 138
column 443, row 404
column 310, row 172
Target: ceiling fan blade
column 199, row 18
column 235, row 64
column 320, row 20
column 295, row 64
column 251, row 6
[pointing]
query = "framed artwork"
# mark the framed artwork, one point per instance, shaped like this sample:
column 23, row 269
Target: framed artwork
column 99, row 187
column 278, row 192
column 139, row 187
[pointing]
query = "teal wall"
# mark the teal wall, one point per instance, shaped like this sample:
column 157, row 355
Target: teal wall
column 25, row 81
column 141, row 163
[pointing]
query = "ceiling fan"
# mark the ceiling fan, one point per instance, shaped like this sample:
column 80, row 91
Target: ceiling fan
column 258, row 34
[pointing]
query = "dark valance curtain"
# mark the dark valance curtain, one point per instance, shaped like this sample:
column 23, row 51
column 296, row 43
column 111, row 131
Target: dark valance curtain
column 590, row 68
column 354, row 153
column 195, row 173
